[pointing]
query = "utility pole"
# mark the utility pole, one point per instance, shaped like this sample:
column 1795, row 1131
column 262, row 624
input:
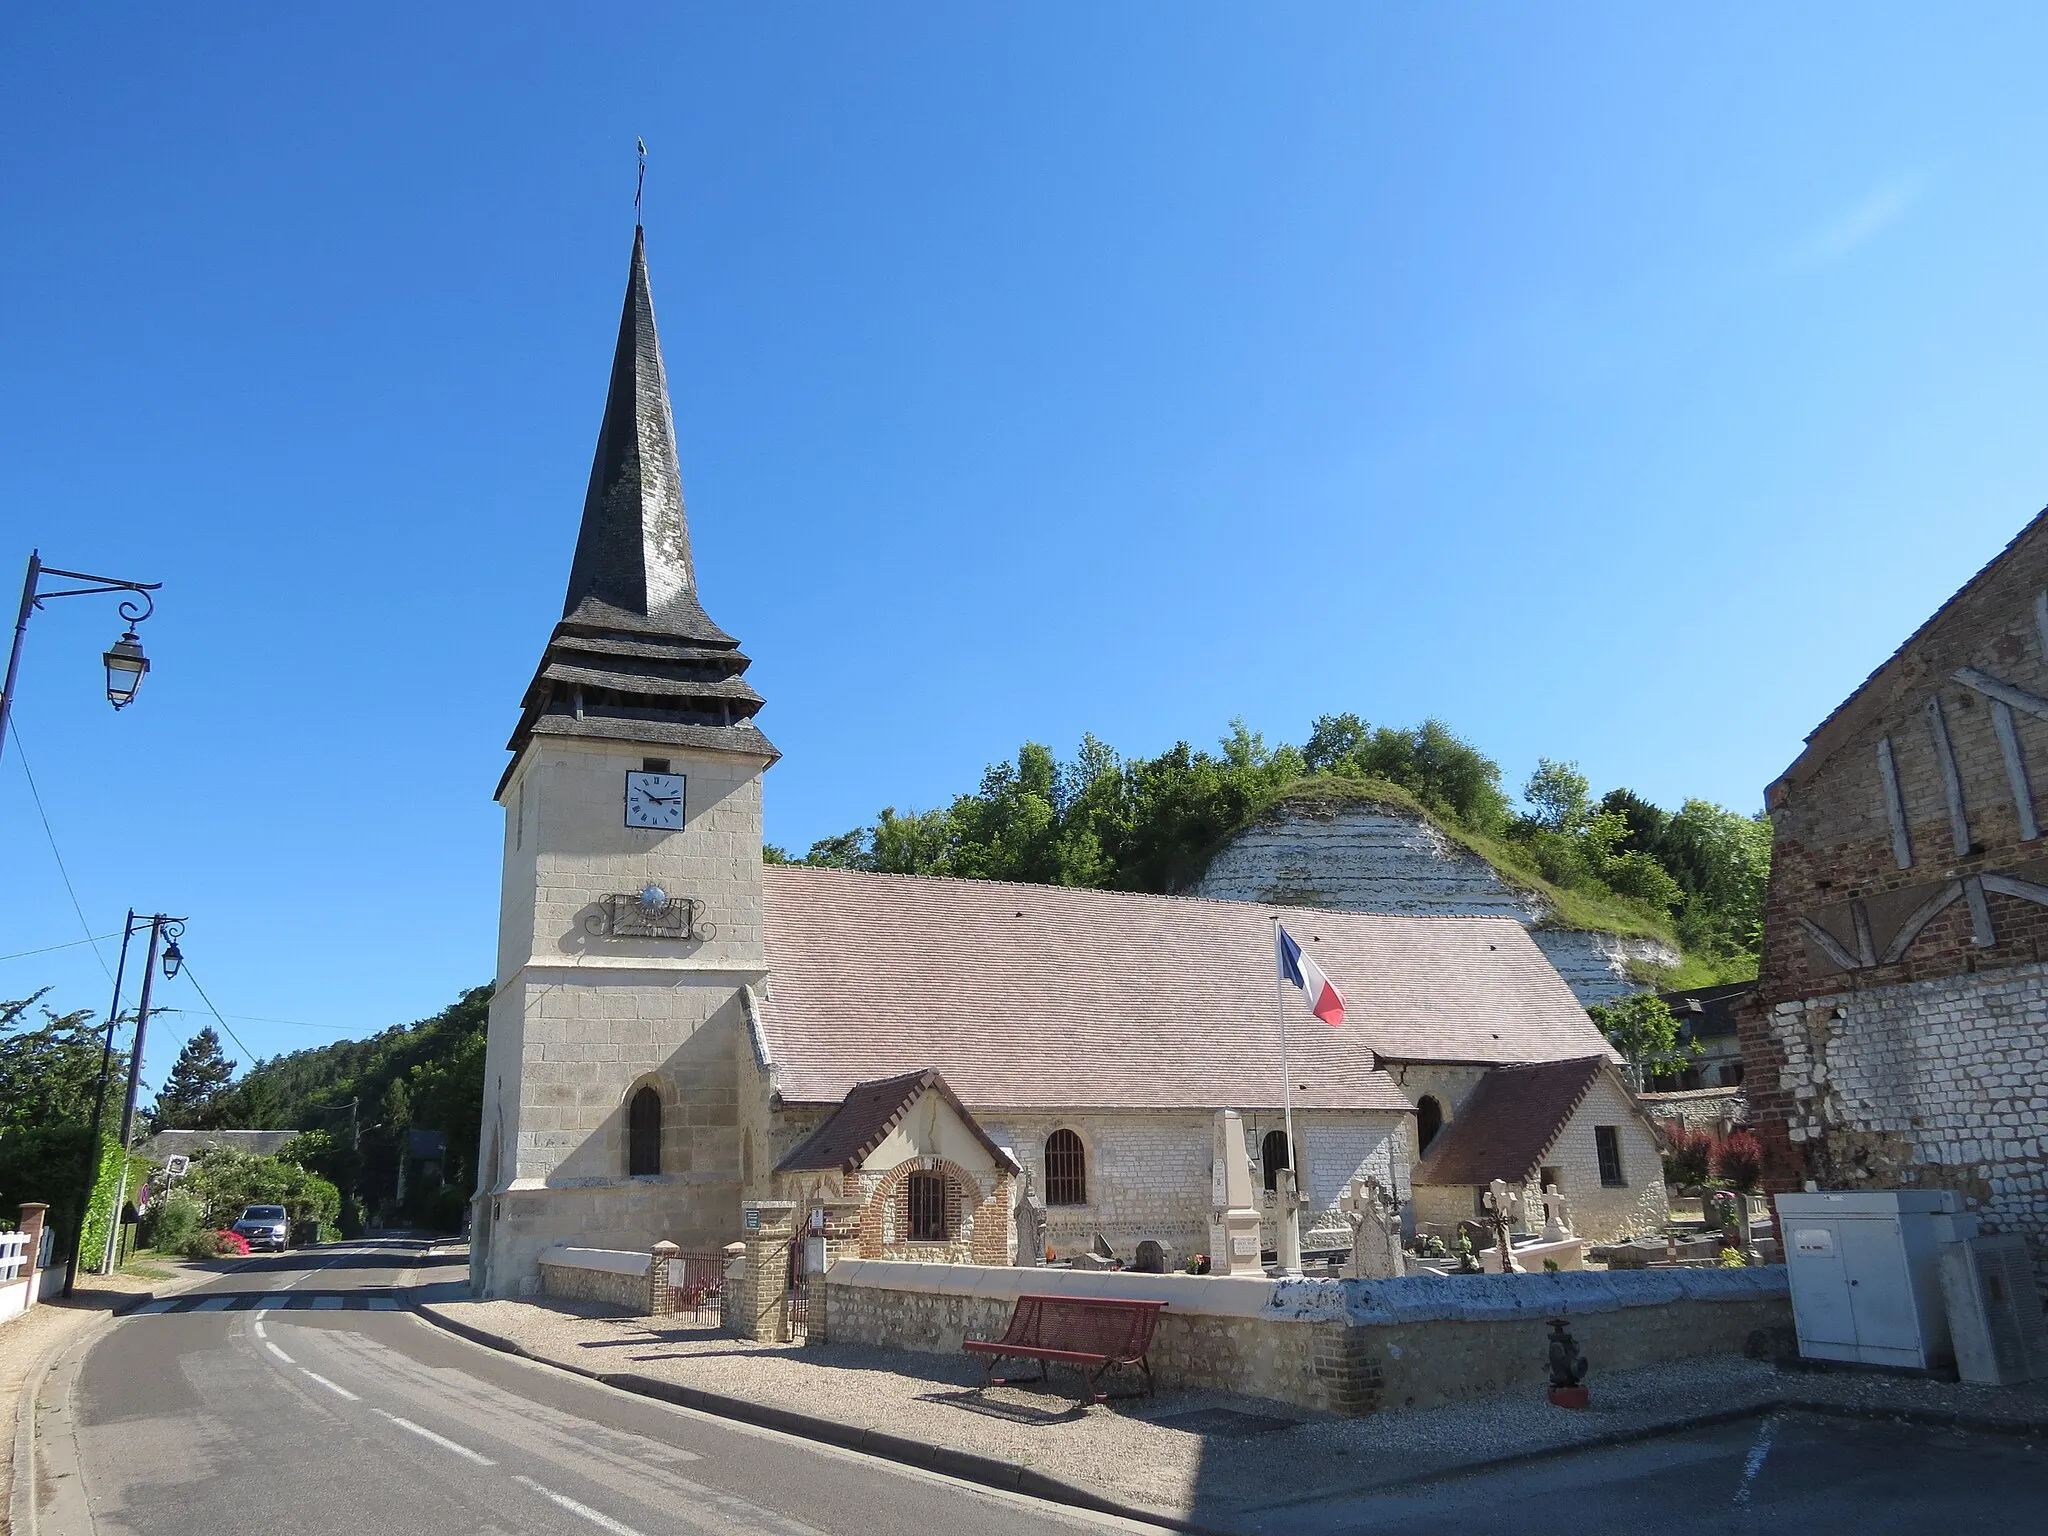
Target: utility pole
column 99, row 1101
column 158, row 925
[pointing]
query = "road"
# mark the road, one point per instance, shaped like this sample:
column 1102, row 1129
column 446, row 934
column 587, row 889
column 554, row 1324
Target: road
column 294, row 1397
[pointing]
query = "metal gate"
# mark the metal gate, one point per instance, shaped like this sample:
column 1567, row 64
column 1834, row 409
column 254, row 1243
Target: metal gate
column 696, row 1289
column 799, row 1281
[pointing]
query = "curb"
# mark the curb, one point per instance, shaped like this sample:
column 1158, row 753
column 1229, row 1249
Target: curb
column 967, row 1466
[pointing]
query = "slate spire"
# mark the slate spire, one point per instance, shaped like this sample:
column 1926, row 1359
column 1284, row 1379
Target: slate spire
column 635, row 657
column 633, row 550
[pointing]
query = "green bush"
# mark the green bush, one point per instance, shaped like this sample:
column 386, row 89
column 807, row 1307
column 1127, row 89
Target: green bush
column 202, row 1244
column 171, row 1221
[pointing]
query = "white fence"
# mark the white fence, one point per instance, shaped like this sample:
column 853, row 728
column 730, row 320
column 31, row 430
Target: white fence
column 13, row 1255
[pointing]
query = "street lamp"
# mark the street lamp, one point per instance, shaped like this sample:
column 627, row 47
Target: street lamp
column 125, row 666
column 124, row 658
column 164, row 930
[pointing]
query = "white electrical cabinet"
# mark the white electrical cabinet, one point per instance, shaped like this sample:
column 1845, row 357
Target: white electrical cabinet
column 1865, row 1268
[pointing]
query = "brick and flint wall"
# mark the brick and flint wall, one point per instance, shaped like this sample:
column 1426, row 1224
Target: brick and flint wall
column 1896, row 1037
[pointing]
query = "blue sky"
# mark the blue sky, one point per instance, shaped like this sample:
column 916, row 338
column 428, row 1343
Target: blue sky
column 1615, row 386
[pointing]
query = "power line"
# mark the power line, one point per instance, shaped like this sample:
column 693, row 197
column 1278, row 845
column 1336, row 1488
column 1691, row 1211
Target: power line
column 73, row 944
column 21, row 756
column 251, row 1055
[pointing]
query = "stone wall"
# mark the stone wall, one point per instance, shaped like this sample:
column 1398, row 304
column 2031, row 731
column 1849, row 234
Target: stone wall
column 1719, row 1110
column 1895, row 1037
column 1148, row 1172
column 1356, row 855
column 615, row 1278
column 1338, row 1346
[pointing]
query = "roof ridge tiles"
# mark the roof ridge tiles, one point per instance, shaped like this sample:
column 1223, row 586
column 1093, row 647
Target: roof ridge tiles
column 1110, row 891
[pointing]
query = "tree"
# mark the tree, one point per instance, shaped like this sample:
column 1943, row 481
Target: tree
column 199, row 1073
column 1559, row 796
column 48, row 1073
column 1645, row 1030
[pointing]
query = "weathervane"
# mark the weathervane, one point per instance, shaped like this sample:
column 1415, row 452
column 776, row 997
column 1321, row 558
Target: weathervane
column 640, row 181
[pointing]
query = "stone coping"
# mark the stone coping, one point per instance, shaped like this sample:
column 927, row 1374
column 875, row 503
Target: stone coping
column 1411, row 1299
column 615, row 1261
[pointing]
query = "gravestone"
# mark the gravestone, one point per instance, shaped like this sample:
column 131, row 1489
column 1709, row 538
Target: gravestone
column 1030, row 1218
column 1557, row 1224
column 1503, row 1209
column 1234, row 1220
column 1375, row 1218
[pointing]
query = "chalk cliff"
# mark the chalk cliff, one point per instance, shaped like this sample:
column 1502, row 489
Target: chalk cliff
column 1364, row 856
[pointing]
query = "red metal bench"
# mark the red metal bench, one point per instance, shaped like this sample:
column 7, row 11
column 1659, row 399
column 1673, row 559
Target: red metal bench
column 1098, row 1334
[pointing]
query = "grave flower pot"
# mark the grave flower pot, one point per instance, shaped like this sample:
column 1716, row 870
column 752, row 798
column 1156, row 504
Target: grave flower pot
column 1570, row 1397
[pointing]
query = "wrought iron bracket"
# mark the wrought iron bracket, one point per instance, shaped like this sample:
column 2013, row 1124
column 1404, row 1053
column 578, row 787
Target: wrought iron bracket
column 629, row 917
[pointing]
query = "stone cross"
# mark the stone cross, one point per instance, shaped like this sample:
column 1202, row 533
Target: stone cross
column 1375, row 1218
column 1557, row 1222
column 1505, row 1207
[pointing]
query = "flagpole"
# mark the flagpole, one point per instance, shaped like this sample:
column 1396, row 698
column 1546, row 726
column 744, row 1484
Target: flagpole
column 1289, row 1233
column 1286, row 1073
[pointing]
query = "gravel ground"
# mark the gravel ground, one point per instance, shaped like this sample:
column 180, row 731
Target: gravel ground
column 1132, row 1450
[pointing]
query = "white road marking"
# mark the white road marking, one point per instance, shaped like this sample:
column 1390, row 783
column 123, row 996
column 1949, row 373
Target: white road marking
column 326, row 1303
column 258, row 1327
column 330, row 1386
column 287, row 1359
column 153, row 1309
column 595, row 1517
column 1753, row 1463
column 383, row 1304
column 215, row 1304
column 449, row 1445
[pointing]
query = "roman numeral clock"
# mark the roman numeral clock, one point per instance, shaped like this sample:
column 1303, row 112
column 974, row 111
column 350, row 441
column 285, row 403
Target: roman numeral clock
column 655, row 801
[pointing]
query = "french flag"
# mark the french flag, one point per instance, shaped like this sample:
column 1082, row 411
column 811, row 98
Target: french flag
column 1324, row 1000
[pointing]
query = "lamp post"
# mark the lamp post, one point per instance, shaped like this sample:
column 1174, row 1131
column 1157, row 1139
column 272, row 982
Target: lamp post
column 161, row 928
column 124, row 660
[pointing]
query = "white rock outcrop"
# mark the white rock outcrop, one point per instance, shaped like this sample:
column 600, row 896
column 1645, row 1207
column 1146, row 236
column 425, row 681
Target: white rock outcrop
column 1359, row 856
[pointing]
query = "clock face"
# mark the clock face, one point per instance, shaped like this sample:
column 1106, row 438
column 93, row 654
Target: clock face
column 655, row 800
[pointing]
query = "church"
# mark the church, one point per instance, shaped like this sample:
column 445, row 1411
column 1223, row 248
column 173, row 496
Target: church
column 678, row 1027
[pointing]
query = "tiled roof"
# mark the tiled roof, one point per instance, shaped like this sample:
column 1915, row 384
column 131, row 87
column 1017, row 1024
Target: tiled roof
column 191, row 1143
column 1509, row 1122
column 871, row 1111
column 1028, row 996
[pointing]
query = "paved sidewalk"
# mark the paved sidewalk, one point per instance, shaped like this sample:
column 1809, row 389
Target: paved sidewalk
column 1204, row 1458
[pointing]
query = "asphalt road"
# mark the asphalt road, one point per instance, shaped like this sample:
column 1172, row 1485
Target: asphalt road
column 1788, row 1472
column 324, row 1410
column 296, row 1398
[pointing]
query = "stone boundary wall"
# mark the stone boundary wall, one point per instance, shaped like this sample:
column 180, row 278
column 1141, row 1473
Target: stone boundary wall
column 1337, row 1346
column 606, row 1275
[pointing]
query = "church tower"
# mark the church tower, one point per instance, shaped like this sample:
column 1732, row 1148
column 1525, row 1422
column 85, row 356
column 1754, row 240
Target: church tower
column 630, row 952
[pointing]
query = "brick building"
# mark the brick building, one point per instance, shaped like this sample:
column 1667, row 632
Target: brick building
column 676, row 1027
column 1896, row 1036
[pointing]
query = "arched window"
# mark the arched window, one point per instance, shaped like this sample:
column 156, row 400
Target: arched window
column 1273, row 1155
column 1429, row 1119
column 643, row 1133
column 1066, row 1169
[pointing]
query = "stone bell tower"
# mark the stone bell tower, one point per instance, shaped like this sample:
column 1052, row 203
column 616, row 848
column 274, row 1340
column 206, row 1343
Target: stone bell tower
column 629, row 932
